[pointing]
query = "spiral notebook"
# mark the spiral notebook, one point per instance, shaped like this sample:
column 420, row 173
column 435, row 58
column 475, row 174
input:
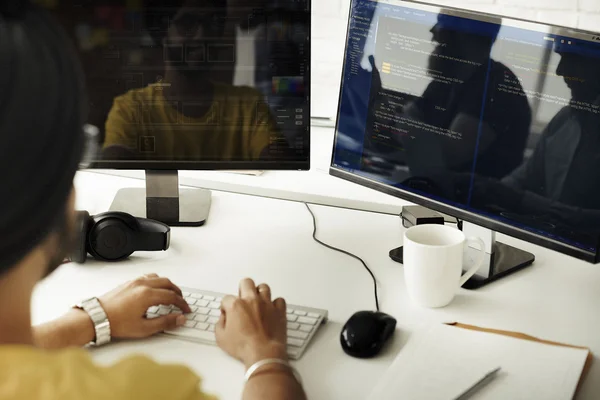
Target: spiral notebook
column 448, row 359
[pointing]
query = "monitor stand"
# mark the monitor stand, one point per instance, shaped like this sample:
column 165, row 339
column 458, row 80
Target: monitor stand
column 162, row 200
column 500, row 259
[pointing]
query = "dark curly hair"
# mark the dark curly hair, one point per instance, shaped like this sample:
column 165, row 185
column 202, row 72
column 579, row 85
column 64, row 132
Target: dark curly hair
column 158, row 13
column 41, row 117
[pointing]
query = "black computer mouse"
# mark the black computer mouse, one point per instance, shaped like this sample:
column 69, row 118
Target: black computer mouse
column 365, row 333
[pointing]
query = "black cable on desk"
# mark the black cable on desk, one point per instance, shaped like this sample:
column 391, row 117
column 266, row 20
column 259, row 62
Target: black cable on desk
column 314, row 235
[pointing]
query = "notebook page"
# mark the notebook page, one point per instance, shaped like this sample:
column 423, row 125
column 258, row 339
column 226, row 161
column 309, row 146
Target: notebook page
column 445, row 361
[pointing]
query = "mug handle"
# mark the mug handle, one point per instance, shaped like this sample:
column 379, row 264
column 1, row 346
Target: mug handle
column 467, row 275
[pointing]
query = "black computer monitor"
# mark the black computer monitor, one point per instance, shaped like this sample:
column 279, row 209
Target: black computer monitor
column 493, row 120
column 194, row 85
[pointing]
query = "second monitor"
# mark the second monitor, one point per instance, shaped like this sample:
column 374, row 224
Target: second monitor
column 493, row 120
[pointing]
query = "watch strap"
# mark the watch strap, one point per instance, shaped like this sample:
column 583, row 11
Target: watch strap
column 99, row 318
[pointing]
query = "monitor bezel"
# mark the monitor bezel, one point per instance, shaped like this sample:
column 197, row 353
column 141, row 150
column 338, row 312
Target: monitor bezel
column 263, row 165
column 206, row 165
column 462, row 214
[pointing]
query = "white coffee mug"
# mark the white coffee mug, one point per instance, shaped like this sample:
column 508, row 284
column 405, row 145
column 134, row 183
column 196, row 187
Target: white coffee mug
column 433, row 263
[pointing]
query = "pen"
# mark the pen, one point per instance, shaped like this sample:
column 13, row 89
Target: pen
column 479, row 384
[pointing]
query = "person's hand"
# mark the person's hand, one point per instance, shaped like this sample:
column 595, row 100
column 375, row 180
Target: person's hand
column 126, row 307
column 252, row 327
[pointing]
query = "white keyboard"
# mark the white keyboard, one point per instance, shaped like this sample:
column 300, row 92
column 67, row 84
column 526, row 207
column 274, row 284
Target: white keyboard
column 302, row 322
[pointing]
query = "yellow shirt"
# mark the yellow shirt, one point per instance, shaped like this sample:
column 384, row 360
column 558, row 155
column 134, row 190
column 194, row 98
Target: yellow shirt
column 236, row 127
column 27, row 373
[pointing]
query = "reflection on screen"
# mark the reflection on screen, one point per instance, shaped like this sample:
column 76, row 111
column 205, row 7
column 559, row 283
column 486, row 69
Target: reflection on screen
column 475, row 112
column 194, row 80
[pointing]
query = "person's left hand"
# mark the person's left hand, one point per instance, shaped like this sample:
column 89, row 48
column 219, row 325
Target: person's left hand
column 126, row 307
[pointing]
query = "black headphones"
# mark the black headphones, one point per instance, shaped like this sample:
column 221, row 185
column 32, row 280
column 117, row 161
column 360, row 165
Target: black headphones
column 114, row 236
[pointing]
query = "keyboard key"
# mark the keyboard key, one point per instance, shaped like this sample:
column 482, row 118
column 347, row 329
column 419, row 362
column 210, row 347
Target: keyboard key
column 307, row 320
column 153, row 310
column 211, row 328
column 201, row 326
column 313, row 315
column 176, row 309
column 200, row 318
column 190, row 324
column 293, row 325
column 193, row 334
column 173, row 311
column 193, row 308
column 190, row 301
column 215, row 313
column 185, row 294
column 293, row 353
column 214, row 304
column 297, row 334
column 211, row 298
column 202, row 303
column 219, row 299
column 291, row 318
column 196, row 295
column 300, row 312
column 295, row 342
column 213, row 320
column 152, row 316
column 290, row 311
column 202, row 310
column 163, row 310
column 305, row 328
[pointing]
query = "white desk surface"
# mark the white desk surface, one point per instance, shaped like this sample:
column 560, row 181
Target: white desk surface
column 270, row 241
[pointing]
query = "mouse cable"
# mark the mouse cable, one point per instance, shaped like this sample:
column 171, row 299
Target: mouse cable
column 314, row 235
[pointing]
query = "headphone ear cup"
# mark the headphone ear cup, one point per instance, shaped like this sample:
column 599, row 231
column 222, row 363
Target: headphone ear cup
column 152, row 235
column 110, row 239
column 78, row 253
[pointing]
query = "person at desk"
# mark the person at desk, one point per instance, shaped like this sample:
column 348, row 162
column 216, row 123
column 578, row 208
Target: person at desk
column 41, row 119
column 561, row 179
column 557, row 189
column 442, row 129
column 187, row 115
column 565, row 166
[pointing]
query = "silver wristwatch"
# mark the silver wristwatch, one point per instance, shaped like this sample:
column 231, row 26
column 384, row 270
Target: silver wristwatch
column 98, row 316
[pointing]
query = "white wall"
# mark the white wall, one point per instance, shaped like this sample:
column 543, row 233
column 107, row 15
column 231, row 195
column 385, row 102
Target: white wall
column 330, row 19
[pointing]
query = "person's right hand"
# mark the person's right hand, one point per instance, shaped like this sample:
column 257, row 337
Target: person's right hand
column 252, row 327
